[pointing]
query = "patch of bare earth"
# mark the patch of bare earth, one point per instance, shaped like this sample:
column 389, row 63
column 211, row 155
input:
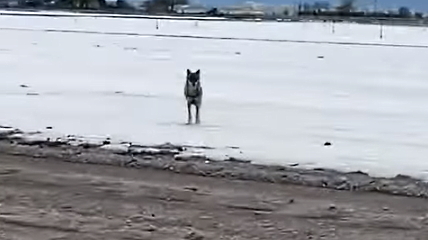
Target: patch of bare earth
column 49, row 198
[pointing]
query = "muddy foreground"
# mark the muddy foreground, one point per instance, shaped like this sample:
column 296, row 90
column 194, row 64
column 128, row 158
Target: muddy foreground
column 57, row 191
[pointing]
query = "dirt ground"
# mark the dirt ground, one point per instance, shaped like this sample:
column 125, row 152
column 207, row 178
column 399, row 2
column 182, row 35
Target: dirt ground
column 44, row 199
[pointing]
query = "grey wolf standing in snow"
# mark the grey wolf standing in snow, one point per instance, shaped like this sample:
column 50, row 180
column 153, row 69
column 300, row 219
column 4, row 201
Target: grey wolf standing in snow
column 193, row 94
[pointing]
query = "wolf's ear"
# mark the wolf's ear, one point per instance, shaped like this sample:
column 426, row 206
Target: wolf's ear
column 198, row 72
column 188, row 72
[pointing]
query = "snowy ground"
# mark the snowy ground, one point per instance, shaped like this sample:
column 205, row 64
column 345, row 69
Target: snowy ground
column 277, row 101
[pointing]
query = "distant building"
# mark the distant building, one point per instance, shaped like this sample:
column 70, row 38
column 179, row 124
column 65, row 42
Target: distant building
column 274, row 11
column 190, row 9
column 241, row 11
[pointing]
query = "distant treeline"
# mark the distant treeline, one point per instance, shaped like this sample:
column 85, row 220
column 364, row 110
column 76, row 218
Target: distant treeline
column 360, row 14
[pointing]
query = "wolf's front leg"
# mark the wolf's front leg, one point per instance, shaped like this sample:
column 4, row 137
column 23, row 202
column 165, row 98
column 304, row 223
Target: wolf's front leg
column 198, row 120
column 189, row 113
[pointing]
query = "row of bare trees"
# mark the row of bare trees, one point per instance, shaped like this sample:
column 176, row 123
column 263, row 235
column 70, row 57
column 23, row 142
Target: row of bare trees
column 152, row 6
column 83, row 4
column 162, row 6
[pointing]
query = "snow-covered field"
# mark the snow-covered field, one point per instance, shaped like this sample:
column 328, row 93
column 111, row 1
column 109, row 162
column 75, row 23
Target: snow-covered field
column 277, row 101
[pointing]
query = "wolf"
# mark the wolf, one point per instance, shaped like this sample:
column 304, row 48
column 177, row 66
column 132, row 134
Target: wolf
column 193, row 94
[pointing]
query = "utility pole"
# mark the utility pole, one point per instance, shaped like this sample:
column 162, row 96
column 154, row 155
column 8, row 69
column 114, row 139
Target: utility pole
column 333, row 29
